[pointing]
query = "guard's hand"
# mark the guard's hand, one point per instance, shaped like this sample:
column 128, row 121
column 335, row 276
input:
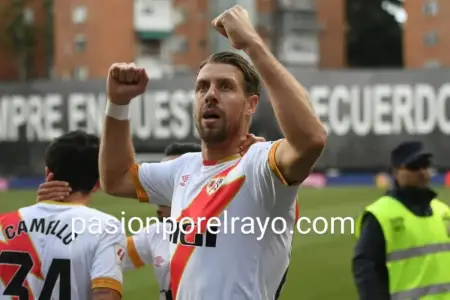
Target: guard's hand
column 53, row 190
column 249, row 140
column 235, row 25
column 125, row 82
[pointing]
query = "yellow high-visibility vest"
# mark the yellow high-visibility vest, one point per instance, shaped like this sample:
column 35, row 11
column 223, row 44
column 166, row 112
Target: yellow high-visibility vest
column 417, row 249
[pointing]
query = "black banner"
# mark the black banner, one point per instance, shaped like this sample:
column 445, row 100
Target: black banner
column 366, row 114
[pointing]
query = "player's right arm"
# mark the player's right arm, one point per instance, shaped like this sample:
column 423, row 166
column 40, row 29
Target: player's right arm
column 120, row 176
column 107, row 264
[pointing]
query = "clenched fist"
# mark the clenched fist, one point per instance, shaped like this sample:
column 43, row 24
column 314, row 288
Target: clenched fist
column 235, row 25
column 125, row 82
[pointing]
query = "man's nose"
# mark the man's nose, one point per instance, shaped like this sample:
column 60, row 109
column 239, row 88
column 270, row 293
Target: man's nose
column 212, row 95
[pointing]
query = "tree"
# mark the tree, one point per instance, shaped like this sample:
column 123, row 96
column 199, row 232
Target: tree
column 374, row 38
column 19, row 37
column 48, row 35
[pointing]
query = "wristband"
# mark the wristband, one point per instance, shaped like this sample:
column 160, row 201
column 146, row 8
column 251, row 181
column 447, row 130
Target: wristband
column 118, row 112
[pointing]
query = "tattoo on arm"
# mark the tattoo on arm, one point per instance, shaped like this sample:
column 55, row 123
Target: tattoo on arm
column 105, row 294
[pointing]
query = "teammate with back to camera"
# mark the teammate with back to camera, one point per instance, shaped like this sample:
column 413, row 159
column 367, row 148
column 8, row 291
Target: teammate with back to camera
column 43, row 254
column 210, row 263
column 151, row 245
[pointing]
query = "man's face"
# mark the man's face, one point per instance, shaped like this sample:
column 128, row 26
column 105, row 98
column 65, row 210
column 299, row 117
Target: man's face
column 222, row 110
column 415, row 174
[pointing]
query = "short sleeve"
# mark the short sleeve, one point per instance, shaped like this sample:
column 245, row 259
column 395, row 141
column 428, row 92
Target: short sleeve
column 154, row 182
column 263, row 174
column 139, row 249
column 107, row 264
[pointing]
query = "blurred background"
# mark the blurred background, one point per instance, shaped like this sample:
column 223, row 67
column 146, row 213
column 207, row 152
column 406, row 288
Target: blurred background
column 377, row 72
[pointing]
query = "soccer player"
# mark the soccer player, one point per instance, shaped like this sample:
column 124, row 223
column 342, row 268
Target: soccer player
column 151, row 246
column 44, row 251
column 213, row 256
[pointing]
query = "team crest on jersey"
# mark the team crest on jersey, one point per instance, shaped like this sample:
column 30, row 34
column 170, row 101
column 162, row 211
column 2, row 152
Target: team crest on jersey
column 214, row 185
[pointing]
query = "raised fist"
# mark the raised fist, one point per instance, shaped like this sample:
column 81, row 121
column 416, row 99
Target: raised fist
column 125, row 82
column 235, row 25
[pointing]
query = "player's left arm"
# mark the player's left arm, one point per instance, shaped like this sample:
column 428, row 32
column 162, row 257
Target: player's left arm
column 305, row 136
column 106, row 270
column 139, row 248
column 105, row 294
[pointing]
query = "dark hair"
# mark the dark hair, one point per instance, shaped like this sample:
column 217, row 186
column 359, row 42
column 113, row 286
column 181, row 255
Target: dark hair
column 73, row 157
column 252, row 82
column 181, row 148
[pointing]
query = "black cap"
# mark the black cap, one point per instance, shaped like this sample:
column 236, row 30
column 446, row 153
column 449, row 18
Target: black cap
column 409, row 152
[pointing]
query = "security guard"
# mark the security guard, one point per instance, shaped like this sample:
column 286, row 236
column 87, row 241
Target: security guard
column 403, row 247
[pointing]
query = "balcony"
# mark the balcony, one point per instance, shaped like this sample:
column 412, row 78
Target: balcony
column 154, row 16
column 296, row 5
column 155, row 67
column 300, row 50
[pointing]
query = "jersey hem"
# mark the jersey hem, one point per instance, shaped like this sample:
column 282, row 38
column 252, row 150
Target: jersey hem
column 107, row 283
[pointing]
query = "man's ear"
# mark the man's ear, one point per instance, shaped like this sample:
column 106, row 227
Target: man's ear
column 47, row 175
column 252, row 104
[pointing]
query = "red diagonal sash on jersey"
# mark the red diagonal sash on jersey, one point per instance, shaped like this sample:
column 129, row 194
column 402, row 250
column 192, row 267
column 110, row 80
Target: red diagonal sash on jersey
column 203, row 206
column 20, row 243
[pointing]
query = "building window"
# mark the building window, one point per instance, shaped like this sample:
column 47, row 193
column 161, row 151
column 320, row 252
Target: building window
column 80, row 73
column 431, row 39
column 150, row 48
column 28, row 15
column 432, row 63
column 431, row 8
column 80, row 43
column 79, row 14
column 179, row 44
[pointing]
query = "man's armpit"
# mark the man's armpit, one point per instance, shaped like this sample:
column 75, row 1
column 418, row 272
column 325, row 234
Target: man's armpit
column 105, row 294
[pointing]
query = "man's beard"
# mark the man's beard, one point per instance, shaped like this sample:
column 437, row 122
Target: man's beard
column 212, row 136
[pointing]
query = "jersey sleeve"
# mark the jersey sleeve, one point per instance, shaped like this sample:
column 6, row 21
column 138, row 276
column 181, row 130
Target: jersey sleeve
column 107, row 265
column 139, row 249
column 154, row 182
column 263, row 173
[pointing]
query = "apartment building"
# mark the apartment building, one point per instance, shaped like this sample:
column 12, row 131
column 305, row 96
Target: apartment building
column 174, row 36
column 426, row 34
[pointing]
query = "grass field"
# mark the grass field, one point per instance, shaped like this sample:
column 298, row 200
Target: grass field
column 320, row 266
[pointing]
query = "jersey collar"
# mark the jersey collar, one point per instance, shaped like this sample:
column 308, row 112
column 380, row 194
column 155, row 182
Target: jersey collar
column 216, row 162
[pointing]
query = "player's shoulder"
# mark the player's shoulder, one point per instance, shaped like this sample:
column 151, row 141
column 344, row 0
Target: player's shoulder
column 89, row 212
column 188, row 161
column 258, row 149
column 189, row 158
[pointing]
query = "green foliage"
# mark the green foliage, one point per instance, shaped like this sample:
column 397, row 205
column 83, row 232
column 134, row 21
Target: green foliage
column 19, row 38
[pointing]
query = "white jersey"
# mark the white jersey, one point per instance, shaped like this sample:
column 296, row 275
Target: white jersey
column 235, row 193
column 46, row 254
column 151, row 247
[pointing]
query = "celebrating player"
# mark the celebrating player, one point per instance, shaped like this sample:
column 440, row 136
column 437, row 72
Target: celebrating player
column 48, row 251
column 208, row 259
